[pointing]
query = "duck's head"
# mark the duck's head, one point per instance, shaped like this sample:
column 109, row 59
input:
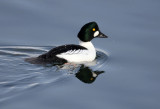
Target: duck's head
column 90, row 31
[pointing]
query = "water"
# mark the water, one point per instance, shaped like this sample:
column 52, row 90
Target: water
column 128, row 63
column 15, row 79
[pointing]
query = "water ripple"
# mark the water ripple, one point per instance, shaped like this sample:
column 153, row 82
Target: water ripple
column 16, row 75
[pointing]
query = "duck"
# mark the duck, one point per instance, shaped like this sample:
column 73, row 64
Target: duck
column 72, row 53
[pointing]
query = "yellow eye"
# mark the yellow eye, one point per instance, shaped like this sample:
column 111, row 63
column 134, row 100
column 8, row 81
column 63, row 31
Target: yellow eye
column 91, row 79
column 94, row 29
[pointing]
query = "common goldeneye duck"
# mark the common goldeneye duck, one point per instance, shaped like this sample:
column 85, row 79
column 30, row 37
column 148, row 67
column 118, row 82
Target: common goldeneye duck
column 84, row 52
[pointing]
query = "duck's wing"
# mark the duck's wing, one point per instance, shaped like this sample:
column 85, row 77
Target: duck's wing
column 51, row 58
column 65, row 48
column 61, row 49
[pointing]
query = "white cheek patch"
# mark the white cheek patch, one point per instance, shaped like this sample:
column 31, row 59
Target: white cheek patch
column 96, row 33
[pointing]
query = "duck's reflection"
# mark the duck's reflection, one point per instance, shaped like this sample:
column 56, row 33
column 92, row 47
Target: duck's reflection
column 84, row 74
column 87, row 75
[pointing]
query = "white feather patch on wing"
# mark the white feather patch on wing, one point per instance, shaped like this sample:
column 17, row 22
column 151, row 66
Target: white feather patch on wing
column 77, row 51
column 71, row 52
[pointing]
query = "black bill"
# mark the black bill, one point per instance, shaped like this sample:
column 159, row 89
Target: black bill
column 101, row 35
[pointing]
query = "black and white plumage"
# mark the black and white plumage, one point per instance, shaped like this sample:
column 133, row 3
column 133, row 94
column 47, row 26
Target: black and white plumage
column 53, row 54
column 84, row 52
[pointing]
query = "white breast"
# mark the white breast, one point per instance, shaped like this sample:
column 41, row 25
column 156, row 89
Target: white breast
column 80, row 55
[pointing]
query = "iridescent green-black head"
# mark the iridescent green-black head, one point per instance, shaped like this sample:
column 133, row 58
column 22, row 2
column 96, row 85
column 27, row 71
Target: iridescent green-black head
column 90, row 31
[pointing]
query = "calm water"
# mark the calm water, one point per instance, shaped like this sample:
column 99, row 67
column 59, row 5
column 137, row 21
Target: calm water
column 127, row 67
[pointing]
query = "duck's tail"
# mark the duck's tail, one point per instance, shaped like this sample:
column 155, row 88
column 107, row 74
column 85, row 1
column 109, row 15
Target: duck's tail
column 39, row 60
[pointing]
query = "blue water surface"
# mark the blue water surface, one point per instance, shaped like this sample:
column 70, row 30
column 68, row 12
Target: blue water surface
column 127, row 63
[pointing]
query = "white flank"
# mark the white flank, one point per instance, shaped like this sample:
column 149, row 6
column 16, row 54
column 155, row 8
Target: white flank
column 80, row 55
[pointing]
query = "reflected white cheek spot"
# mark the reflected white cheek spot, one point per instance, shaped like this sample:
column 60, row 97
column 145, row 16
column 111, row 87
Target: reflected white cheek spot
column 94, row 74
column 96, row 33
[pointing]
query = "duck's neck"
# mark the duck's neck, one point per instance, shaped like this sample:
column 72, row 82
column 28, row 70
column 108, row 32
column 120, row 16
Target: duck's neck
column 87, row 45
